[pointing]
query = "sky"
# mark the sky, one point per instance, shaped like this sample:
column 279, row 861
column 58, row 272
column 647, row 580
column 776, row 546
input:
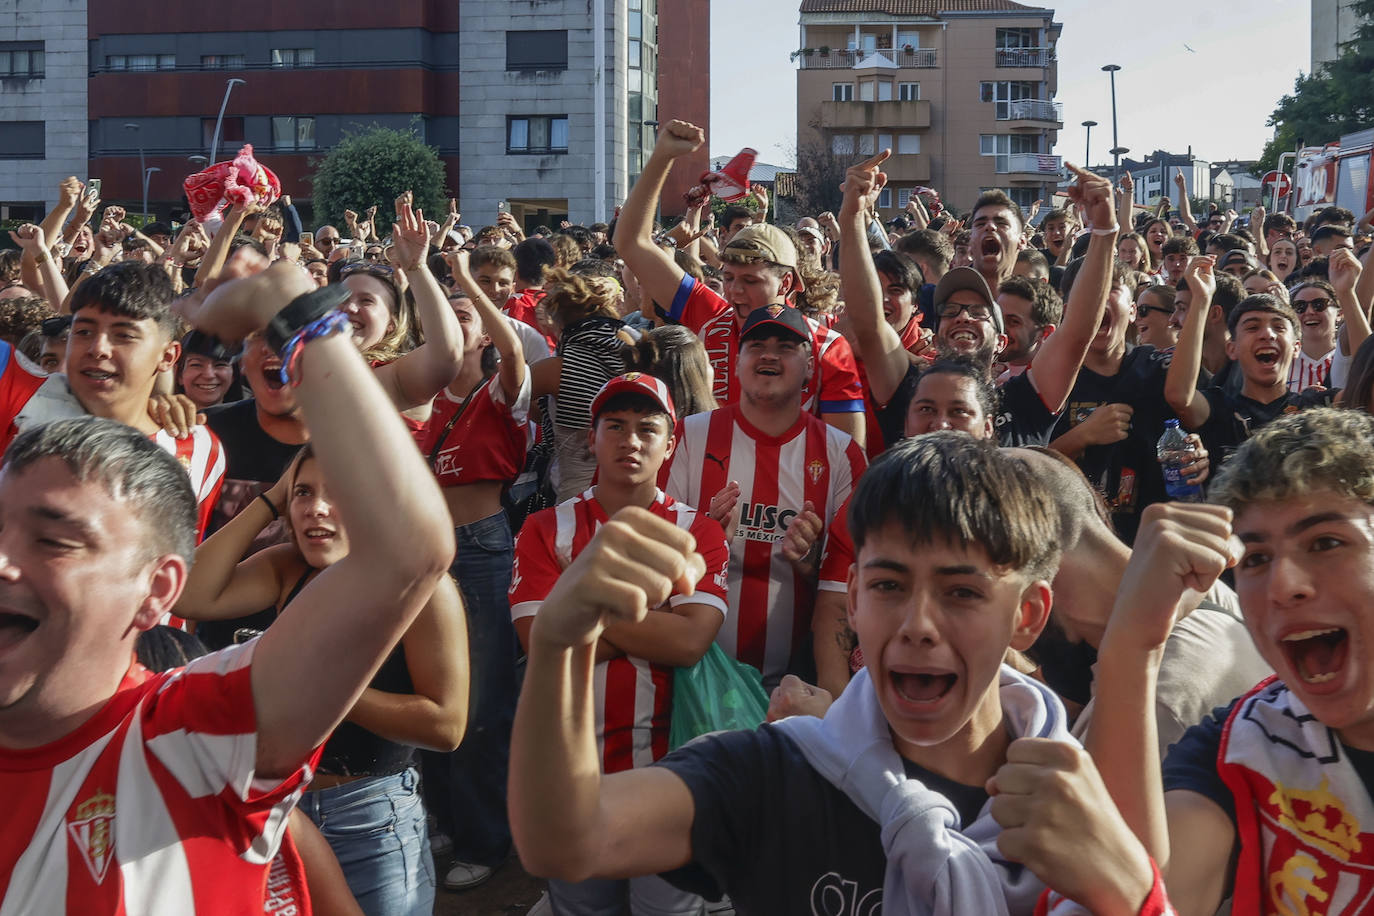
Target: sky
column 1215, row 97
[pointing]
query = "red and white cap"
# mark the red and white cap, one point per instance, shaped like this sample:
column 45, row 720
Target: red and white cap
column 635, row 383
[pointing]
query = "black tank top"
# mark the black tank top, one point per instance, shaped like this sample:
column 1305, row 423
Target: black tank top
column 353, row 750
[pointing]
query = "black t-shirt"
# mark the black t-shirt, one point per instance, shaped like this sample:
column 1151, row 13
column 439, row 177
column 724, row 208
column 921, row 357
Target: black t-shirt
column 1022, row 417
column 776, row 835
column 1192, row 762
column 1126, row 472
column 1235, row 417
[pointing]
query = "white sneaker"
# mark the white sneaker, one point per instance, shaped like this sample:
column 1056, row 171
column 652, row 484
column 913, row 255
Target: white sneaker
column 542, row 907
column 463, row 875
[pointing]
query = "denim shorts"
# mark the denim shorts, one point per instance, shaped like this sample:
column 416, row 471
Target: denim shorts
column 376, row 827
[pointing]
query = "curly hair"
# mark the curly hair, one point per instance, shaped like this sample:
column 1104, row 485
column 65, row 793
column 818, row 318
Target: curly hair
column 1324, row 448
column 822, row 293
column 9, row 265
column 573, row 297
column 21, row 315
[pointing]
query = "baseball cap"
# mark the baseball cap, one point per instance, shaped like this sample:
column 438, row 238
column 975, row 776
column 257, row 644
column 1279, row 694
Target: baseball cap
column 1235, row 256
column 812, row 231
column 770, row 243
column 967, row 278
column 767, row 319
column 635, row 383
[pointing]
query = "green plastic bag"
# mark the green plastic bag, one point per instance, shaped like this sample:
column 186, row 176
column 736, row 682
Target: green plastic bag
column 716, row 694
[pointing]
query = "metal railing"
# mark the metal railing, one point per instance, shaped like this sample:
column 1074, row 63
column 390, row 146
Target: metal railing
column 1035, row 110
column 1024, row 57
column 917, row 58
column 1030, row 163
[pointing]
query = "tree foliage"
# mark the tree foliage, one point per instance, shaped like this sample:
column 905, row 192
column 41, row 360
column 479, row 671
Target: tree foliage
column 1338, row 98
column 371, row 166
column 819, row 175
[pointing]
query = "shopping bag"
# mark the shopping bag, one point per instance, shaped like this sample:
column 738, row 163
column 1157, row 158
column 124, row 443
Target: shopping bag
column 716, row 694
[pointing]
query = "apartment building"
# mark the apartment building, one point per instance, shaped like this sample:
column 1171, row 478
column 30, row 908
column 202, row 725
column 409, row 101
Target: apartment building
column 962, row 91
column 549, row 105
column 42, row 102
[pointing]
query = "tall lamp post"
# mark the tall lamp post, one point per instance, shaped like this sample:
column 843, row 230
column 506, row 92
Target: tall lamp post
column 142, row 169
column 147, row 173
column 1116, row 145
column 1088, row 144
column 228, row 88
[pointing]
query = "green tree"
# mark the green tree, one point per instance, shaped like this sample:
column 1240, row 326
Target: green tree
column 1338, row 98
column 371, row 166
column 819, row 175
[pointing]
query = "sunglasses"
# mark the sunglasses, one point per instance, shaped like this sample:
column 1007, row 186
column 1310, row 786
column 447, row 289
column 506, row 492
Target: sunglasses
column 55, row 327
column 326, row 241
column 978, row 312
column 1142, row 310
column 1300, row 306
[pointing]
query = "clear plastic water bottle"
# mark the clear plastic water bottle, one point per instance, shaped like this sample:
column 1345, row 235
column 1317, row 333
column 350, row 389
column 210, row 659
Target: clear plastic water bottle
column 1175, row 453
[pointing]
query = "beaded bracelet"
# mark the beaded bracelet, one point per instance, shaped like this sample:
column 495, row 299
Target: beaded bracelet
column 334, row 322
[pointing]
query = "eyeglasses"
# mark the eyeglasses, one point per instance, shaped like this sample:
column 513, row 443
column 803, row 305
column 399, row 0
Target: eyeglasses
column 979, row 311
column 365, row 267
column 56, row 326
column 1142, row 310
column 326, row 241
column 1300, row 306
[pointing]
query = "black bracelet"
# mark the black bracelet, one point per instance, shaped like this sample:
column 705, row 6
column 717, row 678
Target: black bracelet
column 301, row 311
column 270, row 508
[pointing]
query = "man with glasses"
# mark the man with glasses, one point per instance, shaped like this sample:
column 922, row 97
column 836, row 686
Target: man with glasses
column 1314, row 302
column 326, row 239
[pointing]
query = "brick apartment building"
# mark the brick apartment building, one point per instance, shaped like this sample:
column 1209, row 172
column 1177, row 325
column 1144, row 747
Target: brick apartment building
column 503, row 89
column 962, row 91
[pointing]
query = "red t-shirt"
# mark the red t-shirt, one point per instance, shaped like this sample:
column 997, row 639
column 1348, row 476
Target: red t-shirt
column 634, row 697
column 522, row 306
column 834, row 386
column 19, row 379
column 770, row 602
column 488, row 441
column 151, row 806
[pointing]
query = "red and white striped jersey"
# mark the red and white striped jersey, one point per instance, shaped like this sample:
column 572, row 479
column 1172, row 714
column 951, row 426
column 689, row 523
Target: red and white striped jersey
column 770, row 602
column 634, row 697
column 202, row 455
column 151, row 806
column 834, row 386
column 1308, row 372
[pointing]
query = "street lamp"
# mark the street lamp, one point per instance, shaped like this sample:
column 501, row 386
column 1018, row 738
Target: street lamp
column 1116, row 145
column 228, row 88
column 199, row 162
column 147, row 173
column 138, row 133
column 1088, row 145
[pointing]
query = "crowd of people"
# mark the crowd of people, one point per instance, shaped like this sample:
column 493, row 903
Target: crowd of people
column 329, row 557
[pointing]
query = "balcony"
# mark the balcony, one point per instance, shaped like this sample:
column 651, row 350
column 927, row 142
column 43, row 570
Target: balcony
column 1025, row 57
column 1029, row 167
column 1033, row 114
column 915, row 59
column 875, row 115
column 908, row 168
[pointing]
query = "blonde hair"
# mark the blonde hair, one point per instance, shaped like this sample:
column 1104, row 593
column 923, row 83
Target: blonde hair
column 572, row 297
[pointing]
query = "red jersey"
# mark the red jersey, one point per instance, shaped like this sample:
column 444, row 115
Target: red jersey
column 634, row 698
column 523, row 307
column 838, row 555
column 151, row 806
column 770, row 602
column 1308, row 372
column 834, row 386
column 487, row 441
column 19, row 379
column 202, row 455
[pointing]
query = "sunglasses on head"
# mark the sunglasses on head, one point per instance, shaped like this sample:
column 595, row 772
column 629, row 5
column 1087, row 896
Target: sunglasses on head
column 1302, row 305
column 364, row 267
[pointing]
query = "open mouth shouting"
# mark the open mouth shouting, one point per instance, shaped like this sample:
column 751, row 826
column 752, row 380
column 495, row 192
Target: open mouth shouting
column 1267, row 356
column 1318, row 655
column 15, row 628
column 922, row 688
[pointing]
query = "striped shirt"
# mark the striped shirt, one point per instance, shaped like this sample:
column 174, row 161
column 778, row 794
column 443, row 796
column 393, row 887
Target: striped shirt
column 634, row 697
column 1308, row 372
column 152, row 805
column 770, row 601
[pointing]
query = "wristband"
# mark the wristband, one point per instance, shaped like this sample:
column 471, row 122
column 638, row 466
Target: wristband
column 270, row 508
column 40, row 258
column 1112, row 231
column 333, row 322
column 300, row 312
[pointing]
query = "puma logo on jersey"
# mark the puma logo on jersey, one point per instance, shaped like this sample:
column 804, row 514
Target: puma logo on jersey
column 719, row 461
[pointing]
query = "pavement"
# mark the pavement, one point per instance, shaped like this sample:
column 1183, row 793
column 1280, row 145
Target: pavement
column 510, row 892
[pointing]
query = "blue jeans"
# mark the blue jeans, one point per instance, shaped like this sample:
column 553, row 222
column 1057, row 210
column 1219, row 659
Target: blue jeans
column 466, row 788
column 649, row 895
column 376, row 827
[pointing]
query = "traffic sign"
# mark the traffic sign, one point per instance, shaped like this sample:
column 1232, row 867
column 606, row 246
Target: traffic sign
column 1280, row 179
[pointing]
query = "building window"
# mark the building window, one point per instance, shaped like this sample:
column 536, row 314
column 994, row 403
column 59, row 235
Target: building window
column 866, row 91
column 293, row 133
column 166, row 61
column 116, row 62
column 1004, row 145
column 293, row 57
column 230, row 131
column 885, row 141
column 1023, row 197
column 142, row 61
column 885, row 198
column 865, row 144
column 1017, row 38
column 221, row 62
column 538, row 50
column 22, row 140
column 842, row 144
column 908, row 144
column 842, row 92
column 21, row 60
column 884, row 90
column 1005, row 92
column 908, row 38
column 908, row 92
column 903, row 195
column 537, row 134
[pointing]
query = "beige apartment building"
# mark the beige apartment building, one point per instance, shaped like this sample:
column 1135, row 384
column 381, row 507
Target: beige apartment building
column 962, row 91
